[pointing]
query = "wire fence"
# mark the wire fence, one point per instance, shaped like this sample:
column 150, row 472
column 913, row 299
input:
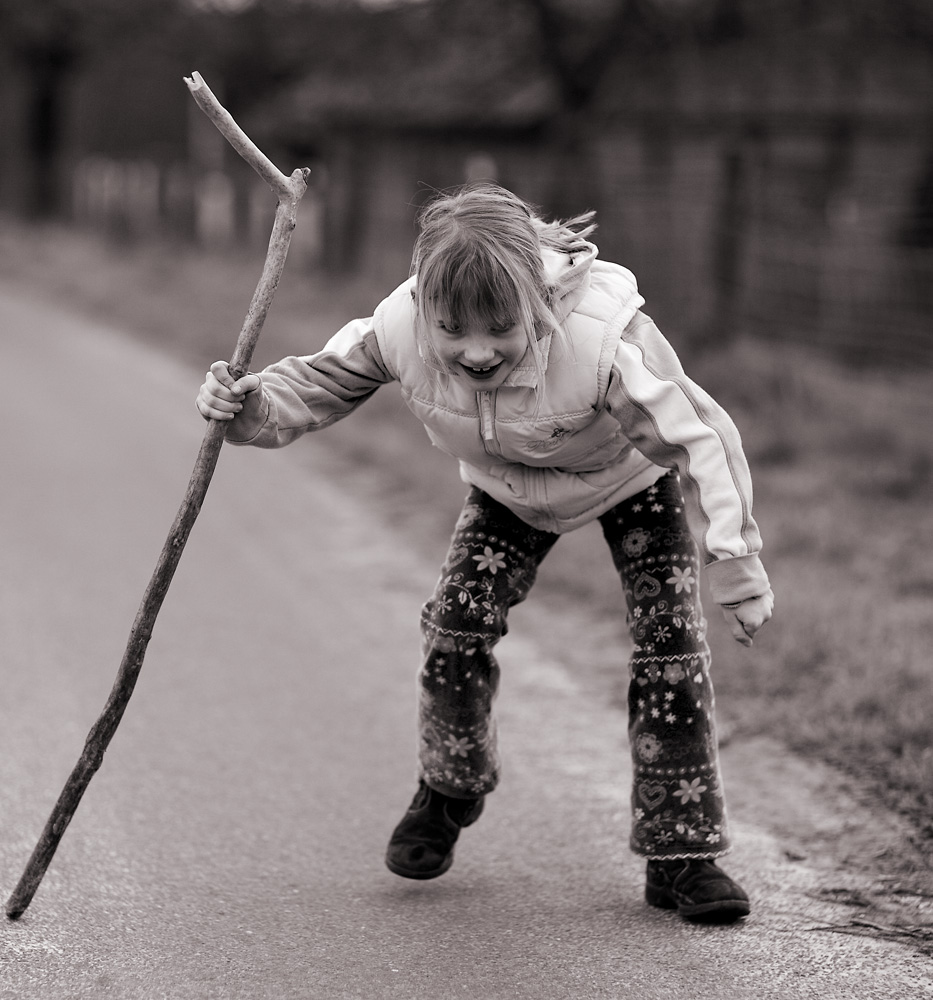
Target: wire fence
column 783, row 237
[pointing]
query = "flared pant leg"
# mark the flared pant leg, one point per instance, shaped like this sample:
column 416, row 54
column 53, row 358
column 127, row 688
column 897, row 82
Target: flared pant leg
column 491, row 565
column 678, row 809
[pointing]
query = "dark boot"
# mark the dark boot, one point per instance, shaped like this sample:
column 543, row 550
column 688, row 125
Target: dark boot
column 422, row 845
column 697, row 890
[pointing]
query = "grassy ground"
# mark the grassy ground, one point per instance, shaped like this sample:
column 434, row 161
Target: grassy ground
column 843, row 467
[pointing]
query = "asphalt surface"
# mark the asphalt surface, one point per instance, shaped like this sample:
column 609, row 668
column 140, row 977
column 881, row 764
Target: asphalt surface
column 231, row 845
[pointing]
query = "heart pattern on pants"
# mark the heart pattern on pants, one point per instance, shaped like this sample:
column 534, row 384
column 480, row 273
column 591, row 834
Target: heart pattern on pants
column 651, row 793
column 646, row 586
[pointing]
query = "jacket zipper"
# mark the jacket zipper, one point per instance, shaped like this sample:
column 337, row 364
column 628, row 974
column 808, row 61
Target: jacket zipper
column 487, row 422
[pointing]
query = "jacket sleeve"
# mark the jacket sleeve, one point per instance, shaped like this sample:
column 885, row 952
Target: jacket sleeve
column 677, row 425
column 310, row 393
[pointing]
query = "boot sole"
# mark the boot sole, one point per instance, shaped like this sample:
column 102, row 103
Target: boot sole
column 421, row 876
column 720, row 911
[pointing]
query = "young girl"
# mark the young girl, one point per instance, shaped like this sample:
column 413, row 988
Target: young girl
column 528, row 359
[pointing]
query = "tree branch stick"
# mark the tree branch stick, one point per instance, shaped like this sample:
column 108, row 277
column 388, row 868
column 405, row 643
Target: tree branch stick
column 289, row 191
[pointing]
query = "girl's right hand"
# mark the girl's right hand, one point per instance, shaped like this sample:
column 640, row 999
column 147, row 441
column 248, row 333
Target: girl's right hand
column 221, row 396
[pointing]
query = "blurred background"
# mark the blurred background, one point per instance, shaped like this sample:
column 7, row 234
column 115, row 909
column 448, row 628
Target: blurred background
column 765, row 167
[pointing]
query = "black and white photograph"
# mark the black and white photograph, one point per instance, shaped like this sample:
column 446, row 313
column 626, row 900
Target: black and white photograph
column 466, row 507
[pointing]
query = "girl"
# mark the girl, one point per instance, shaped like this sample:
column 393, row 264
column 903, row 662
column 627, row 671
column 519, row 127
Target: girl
column 528, row 359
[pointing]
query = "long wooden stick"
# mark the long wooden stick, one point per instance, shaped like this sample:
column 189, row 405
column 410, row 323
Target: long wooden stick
column 289, row 191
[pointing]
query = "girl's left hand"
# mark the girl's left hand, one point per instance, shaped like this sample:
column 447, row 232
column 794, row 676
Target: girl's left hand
column 746, row 618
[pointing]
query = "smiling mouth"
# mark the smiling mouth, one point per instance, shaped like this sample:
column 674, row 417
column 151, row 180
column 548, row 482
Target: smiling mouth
column 481, row 373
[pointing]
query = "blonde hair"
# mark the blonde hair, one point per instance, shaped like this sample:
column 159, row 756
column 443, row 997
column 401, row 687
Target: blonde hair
column 479, row 256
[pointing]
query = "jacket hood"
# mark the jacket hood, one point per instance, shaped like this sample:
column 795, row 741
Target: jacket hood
column 567, row 276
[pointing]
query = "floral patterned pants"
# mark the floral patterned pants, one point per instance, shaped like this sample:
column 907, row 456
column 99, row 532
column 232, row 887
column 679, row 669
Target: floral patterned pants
column 677, row 803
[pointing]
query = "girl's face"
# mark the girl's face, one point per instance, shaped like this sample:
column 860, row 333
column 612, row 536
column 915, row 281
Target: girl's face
column 484, row 356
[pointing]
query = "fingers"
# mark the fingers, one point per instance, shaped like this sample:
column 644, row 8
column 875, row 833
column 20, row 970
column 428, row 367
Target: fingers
column 220, row 373
column 738, row 630
column 214, row 406
column 221, row 396
column 747, row 618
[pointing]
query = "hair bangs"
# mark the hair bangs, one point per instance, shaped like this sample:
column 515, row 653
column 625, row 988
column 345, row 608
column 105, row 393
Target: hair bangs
column 475, row 289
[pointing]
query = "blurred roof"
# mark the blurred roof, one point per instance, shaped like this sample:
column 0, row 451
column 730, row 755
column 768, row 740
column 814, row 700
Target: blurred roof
column 419, row 99
column 441, row 66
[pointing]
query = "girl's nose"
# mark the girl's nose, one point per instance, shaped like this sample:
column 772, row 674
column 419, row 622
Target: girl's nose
column 478, row 351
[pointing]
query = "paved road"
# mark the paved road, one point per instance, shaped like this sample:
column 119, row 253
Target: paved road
column 231, row 845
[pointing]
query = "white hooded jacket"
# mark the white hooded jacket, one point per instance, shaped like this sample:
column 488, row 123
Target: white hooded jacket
column 611, row 412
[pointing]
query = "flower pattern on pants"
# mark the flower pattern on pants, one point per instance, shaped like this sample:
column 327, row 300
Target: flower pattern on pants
column 677, row 802
column 490, row 566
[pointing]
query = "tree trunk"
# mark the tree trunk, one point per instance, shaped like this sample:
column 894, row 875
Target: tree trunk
column 46, row 72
